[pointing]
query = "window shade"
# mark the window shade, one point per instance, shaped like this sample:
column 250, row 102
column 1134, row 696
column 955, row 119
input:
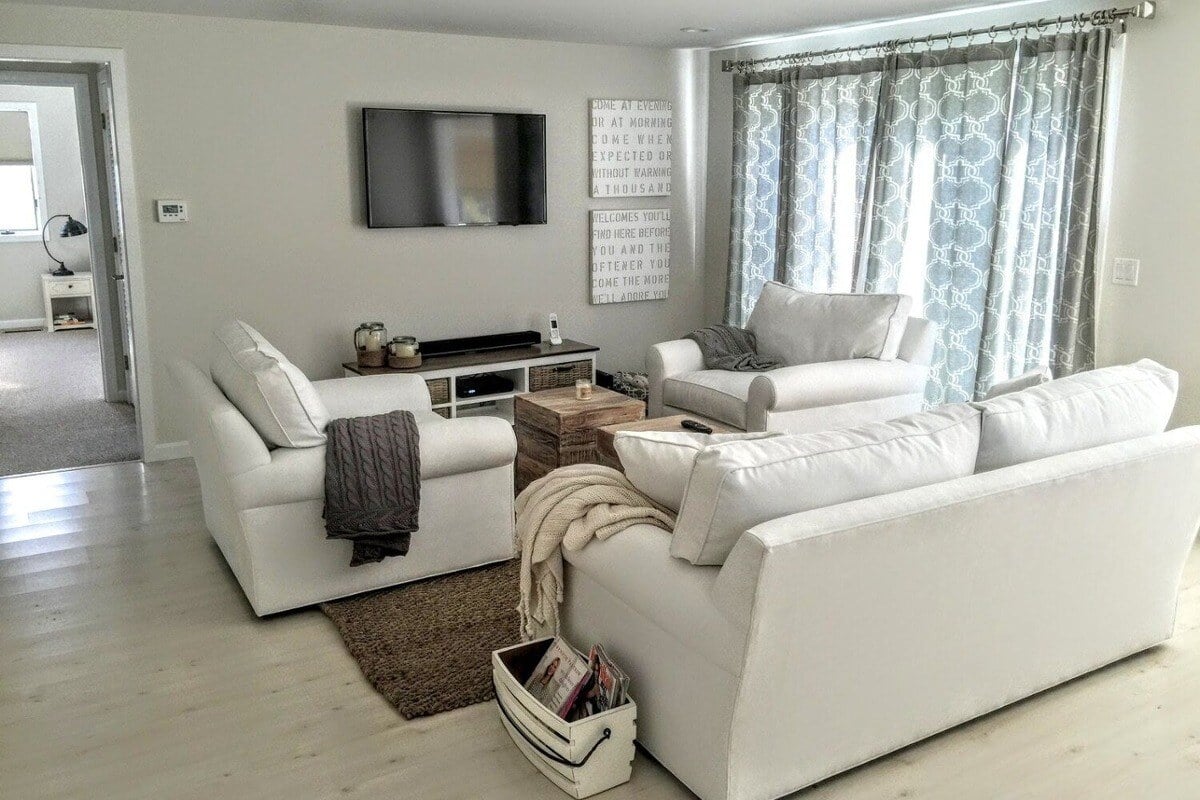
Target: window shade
column 15, row 144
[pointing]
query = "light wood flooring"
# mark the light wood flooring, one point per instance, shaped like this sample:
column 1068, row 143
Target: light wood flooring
column 131, row 667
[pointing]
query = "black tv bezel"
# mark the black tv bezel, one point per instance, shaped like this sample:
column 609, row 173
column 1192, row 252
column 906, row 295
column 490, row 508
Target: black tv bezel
column 367, row 169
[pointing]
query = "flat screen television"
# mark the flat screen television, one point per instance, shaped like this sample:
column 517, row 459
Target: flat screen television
column 454, row 168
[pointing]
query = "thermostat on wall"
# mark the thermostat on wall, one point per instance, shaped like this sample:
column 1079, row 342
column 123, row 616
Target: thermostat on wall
column 171, row 210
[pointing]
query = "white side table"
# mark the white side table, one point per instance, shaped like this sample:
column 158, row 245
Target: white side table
column 69, row 294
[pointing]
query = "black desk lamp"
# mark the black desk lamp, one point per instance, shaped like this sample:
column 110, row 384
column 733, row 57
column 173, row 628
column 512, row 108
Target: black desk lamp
column 71, row 228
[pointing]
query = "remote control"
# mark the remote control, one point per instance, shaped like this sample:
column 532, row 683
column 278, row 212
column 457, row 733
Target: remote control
column 698, row 427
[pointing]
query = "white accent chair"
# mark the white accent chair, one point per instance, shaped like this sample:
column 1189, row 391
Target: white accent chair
column 796, row 399
column 264, row 506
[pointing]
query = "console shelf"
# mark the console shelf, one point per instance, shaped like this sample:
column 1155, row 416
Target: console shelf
column 515, row 363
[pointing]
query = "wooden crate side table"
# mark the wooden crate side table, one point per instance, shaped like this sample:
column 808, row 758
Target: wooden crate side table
column 554, row 429
column 606, row 450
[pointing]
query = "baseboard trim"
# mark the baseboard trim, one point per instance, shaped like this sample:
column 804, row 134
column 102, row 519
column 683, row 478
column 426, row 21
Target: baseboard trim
column 38, row 323
column 167, row 451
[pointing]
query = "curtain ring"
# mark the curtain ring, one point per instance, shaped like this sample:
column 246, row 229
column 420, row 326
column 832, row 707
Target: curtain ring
column 992, row 34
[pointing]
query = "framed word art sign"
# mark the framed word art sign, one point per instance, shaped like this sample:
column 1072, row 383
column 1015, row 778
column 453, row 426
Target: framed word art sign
column 631, row 148
column 631, row 255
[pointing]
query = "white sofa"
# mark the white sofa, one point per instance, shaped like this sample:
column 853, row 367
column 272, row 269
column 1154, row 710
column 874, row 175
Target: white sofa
column 833, row 636
column 825, row 383
column 263, row 506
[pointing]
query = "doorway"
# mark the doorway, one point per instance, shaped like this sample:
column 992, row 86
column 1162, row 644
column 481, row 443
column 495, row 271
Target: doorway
column 68, row 395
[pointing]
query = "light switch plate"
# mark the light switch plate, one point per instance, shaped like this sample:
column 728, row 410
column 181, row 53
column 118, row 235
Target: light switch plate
column 1126, row 271
column 171, row 210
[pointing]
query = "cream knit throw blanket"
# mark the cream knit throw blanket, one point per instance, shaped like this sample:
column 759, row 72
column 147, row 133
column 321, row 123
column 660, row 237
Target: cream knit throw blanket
column 568, row 508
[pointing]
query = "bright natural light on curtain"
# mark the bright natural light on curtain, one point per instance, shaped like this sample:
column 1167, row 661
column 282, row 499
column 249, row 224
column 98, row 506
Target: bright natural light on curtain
column 965, row 178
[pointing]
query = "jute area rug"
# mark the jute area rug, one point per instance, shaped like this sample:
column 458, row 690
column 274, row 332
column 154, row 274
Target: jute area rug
column 427, row 646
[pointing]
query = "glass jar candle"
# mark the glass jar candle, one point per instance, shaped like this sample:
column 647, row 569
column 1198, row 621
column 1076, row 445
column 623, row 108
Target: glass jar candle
column 583, row 390
column 404, row 347
column 370, row 341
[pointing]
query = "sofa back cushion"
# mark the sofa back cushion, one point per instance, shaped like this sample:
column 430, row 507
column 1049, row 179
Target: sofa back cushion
column 658, row 463
column 1077, row 412
column 738, row 485
column 271, row 392
column 795, row 327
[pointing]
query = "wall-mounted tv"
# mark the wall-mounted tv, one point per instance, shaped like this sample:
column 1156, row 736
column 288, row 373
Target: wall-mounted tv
column 454, row 168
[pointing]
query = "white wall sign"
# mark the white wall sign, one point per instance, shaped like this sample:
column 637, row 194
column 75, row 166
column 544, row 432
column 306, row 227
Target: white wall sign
column 631, row 255
column 631, row 148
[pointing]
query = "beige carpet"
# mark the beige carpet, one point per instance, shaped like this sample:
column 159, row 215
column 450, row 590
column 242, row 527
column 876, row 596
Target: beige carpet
column 427, row 646
column 52, row 409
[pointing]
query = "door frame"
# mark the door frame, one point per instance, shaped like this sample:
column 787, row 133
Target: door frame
column 114, row 58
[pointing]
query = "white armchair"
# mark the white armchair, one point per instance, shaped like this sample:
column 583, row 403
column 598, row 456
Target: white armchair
column 264, row 506
column 796, row 399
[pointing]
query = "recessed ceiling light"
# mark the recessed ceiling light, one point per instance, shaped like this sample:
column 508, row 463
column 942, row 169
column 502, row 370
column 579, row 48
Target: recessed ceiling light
column 695, row 30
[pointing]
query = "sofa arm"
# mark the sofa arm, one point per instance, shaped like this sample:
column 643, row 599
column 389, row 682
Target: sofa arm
column 832, row 383
column 665, row 360
column 456, row 446
column 367, row 395
column 448, row 447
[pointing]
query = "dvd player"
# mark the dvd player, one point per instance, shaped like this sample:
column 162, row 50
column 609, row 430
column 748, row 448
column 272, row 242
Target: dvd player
column 481, row 385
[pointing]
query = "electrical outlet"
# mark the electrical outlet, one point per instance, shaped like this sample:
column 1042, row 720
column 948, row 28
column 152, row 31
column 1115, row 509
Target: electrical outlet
column 1126, row 271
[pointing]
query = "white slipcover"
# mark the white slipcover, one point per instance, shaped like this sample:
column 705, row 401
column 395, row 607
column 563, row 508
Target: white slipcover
column 1073, row 413
column 271, row 392
column 736, row 485
column 795, row 327
column 834, row 636
column 794, row 399
column 263, row 507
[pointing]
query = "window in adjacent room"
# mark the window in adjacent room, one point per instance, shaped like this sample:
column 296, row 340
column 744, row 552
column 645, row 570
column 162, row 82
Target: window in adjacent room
column 20, row 172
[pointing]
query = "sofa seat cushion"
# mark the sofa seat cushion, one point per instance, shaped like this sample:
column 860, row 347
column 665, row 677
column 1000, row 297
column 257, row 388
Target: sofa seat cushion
column 738, row 485
column 658, row 463
column 271, row 392
column 716, row 393
column 636, row 568
column 795, row 327
column 1076, row 413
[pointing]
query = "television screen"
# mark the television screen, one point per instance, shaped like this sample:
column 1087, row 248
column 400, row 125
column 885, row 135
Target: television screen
column 454, row 168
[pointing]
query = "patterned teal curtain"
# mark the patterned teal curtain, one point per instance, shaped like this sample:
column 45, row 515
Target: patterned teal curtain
column 977, row 171
column 937, row 179
column 802, row 149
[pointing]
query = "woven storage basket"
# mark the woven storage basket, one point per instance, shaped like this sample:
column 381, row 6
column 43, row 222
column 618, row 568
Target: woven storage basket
column 582, row 758
column 443, row 412
column 556, row 376
column 439, row 390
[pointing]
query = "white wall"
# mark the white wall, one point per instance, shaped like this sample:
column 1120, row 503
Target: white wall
column 23, row 263
column 1153, row 195
column 257, row 124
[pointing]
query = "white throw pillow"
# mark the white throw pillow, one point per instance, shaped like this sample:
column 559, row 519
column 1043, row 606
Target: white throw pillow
column 738, row 485
column 1077, row 412
column 658, row 463
column 271, row 392
column 1028, row 380
column 795, row 327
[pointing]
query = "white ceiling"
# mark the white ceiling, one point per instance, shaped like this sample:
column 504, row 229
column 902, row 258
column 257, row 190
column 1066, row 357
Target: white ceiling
column 633, row 22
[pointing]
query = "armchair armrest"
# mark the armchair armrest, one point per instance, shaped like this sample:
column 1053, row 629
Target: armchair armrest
column 448, row 447
column 832, row 383
column 666, row 359
column 373, row 394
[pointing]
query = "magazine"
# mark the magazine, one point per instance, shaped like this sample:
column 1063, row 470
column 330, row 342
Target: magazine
column 556, row 679
column 575, row 687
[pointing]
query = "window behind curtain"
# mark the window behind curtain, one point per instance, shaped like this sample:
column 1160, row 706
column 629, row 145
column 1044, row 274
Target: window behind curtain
column 18, row 175
column 966, row 178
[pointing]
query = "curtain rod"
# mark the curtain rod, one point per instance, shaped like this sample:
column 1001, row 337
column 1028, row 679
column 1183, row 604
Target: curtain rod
column 1143, row 10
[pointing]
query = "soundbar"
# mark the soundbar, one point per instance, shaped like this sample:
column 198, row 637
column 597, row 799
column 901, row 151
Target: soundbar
column 475, row 344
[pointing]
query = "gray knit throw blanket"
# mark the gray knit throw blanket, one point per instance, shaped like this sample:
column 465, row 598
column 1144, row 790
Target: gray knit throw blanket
column 373, row 484
column 729, row 348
